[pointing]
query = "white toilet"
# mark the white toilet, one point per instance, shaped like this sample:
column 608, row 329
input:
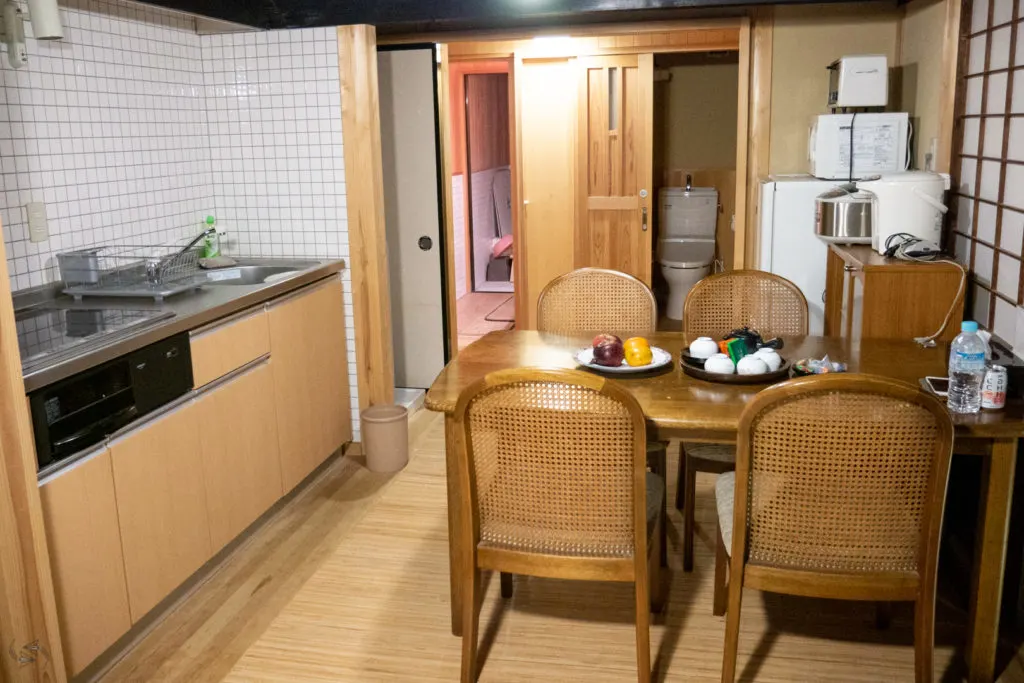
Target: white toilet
column 686, row 244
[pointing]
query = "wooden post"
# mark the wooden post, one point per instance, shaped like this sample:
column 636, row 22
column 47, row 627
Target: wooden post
column 760, row 126
column 742, row 141
column 30, row 650
column 364, row 184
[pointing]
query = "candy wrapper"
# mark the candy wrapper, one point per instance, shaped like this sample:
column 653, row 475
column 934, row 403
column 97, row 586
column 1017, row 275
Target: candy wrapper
column 811, row 366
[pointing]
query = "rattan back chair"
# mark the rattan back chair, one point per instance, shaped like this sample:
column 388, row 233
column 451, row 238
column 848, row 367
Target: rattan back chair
column 554, row 484
column 838, row 492
column 596, row 300
column 762, row 301
column 715, row 306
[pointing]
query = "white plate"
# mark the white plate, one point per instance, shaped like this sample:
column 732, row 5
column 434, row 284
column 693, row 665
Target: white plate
column 661, row 359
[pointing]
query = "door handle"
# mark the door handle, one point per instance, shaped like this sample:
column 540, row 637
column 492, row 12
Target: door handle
column 643, row 219
column 425, row 243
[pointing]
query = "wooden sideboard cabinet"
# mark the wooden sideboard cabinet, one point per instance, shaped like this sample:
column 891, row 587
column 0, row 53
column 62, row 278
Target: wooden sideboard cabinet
column 868, row 295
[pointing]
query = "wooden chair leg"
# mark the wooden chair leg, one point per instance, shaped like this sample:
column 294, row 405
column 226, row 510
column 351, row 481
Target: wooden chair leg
column 721, row 572
column 690, row 483
column 732, row 626
column 680, row 478
column 470, row 624
column 506, row 585
column 656, row 573
column 924, row 638
column 663, row 535
column 643, row 631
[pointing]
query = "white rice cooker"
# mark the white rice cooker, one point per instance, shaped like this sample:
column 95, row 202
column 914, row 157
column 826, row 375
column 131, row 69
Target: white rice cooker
column 910, row 202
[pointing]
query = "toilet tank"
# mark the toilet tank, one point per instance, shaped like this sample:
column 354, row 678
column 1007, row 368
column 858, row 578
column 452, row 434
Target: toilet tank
column 685, row 213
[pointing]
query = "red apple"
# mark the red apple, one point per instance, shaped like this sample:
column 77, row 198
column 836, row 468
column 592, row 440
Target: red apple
column 609, row 353
column 605, row 338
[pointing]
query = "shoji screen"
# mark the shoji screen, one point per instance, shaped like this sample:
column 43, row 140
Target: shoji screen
column 989, row 178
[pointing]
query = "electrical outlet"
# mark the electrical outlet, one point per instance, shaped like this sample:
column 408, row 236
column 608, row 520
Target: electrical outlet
column 38, row 231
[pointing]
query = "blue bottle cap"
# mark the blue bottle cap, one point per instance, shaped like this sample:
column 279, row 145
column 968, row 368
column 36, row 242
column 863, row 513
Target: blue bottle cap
column 968, row 326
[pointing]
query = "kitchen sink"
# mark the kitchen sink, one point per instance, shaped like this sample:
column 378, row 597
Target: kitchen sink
column 255, row 274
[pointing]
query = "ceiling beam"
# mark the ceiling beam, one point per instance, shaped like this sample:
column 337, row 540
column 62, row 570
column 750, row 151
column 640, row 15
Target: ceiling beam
column 427, row 16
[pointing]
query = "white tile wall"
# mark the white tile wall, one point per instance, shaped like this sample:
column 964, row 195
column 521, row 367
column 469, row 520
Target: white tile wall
column 108, row 128
column 459, row 247
column 273, row 101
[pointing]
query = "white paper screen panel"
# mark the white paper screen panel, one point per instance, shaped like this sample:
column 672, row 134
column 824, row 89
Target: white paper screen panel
column 987, row 221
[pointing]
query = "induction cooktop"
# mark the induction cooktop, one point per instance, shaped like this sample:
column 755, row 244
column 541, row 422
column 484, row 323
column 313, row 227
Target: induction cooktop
column 50, row 333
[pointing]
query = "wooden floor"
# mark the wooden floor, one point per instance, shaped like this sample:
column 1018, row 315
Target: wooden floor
column 350, row 583
column 472, row 312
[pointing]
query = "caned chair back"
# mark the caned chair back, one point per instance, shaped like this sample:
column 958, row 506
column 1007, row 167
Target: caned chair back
column 842, row 473
column 595, row 300
column 555, row 461
column 762, row 301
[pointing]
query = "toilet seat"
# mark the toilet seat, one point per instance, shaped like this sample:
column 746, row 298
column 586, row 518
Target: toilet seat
column 686, row 253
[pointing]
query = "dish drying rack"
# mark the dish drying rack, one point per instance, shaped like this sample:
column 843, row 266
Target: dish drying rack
column 144, row 271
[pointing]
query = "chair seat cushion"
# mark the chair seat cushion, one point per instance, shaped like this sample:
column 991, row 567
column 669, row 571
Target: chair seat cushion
column 725, row 494
column 721, row 452
column 655, row 500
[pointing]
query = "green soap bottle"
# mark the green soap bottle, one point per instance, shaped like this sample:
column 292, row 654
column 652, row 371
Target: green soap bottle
column 211, row 243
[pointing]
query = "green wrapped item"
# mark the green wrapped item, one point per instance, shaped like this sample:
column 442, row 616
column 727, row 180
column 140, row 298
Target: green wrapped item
column 736, row 348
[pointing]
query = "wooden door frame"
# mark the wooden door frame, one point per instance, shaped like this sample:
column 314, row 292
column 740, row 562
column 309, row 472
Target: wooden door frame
column 357, row 47
column 28, row 609
column 754, row 117
column 462, row 68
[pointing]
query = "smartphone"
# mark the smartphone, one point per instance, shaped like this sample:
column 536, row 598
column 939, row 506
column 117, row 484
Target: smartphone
column 937, row 385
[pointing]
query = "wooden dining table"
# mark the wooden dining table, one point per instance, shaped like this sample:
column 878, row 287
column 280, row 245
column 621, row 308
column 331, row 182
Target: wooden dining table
column 679, row 406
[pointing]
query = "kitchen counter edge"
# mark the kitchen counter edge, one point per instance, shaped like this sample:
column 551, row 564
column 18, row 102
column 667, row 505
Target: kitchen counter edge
column 181, row 322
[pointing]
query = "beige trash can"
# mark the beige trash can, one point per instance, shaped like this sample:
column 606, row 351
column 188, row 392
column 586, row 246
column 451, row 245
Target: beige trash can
column 385, row 433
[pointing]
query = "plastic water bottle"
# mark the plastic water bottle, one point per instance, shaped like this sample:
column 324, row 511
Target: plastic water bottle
column 966, row 369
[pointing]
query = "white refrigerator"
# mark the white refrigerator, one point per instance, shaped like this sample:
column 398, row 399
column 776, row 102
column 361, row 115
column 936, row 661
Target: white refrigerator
column 788, row 245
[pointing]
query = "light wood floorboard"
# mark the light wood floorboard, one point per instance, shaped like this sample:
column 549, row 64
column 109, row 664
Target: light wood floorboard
column 472, row 310
column 372, row 555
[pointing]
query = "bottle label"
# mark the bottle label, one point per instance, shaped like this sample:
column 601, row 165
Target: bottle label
column 971, row 361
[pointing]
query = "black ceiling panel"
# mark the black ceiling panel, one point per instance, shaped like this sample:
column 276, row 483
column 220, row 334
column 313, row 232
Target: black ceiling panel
column 416, row 16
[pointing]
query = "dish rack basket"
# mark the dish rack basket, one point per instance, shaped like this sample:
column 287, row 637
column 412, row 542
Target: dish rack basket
column 130, row 270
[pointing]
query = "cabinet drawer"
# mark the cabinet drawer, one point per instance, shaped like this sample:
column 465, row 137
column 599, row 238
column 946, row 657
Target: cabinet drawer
column 224, row 347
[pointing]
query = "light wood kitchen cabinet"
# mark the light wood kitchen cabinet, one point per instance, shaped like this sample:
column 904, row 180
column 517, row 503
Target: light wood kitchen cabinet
column 310, row 368
column 80, row 513
column 161, row 505
column 241, row 467
column 226, row 346
column 868, row 295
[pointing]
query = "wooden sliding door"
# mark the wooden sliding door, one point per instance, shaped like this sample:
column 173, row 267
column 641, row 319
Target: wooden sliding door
column 545, row 111
column 616, row 104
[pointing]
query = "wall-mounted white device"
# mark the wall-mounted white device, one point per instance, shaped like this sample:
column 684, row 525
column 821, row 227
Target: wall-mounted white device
column 45, row 19
column 859, row 81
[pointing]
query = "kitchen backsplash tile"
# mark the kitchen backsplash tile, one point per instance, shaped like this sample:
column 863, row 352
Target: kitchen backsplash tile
column 107, row 127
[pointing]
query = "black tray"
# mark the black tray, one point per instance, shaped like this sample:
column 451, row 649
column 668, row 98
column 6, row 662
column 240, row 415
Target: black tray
column 694, row 367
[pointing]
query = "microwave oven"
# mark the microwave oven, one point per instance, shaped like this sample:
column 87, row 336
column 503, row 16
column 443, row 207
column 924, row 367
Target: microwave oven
column 879, row 143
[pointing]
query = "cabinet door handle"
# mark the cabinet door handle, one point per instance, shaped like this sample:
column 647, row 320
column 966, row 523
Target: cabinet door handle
column 850, row 269
column 643, row 219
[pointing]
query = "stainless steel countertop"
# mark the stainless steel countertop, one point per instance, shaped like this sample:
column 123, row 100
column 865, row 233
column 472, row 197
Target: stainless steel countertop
column 191, row 309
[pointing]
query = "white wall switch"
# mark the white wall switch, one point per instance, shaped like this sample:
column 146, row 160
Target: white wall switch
column 38, row 231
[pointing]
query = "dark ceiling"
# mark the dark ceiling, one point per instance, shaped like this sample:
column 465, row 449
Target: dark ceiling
column 426, row 16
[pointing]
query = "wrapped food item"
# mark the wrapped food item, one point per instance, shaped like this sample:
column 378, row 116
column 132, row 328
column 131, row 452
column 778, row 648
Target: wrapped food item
column 812, row 366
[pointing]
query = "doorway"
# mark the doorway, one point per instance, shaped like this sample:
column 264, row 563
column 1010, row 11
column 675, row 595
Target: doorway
column 482, row 198
column 695, row 133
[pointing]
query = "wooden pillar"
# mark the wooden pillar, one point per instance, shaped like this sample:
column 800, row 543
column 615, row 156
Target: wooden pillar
column 761, row 34
column 364, row 186
column 31, row 648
